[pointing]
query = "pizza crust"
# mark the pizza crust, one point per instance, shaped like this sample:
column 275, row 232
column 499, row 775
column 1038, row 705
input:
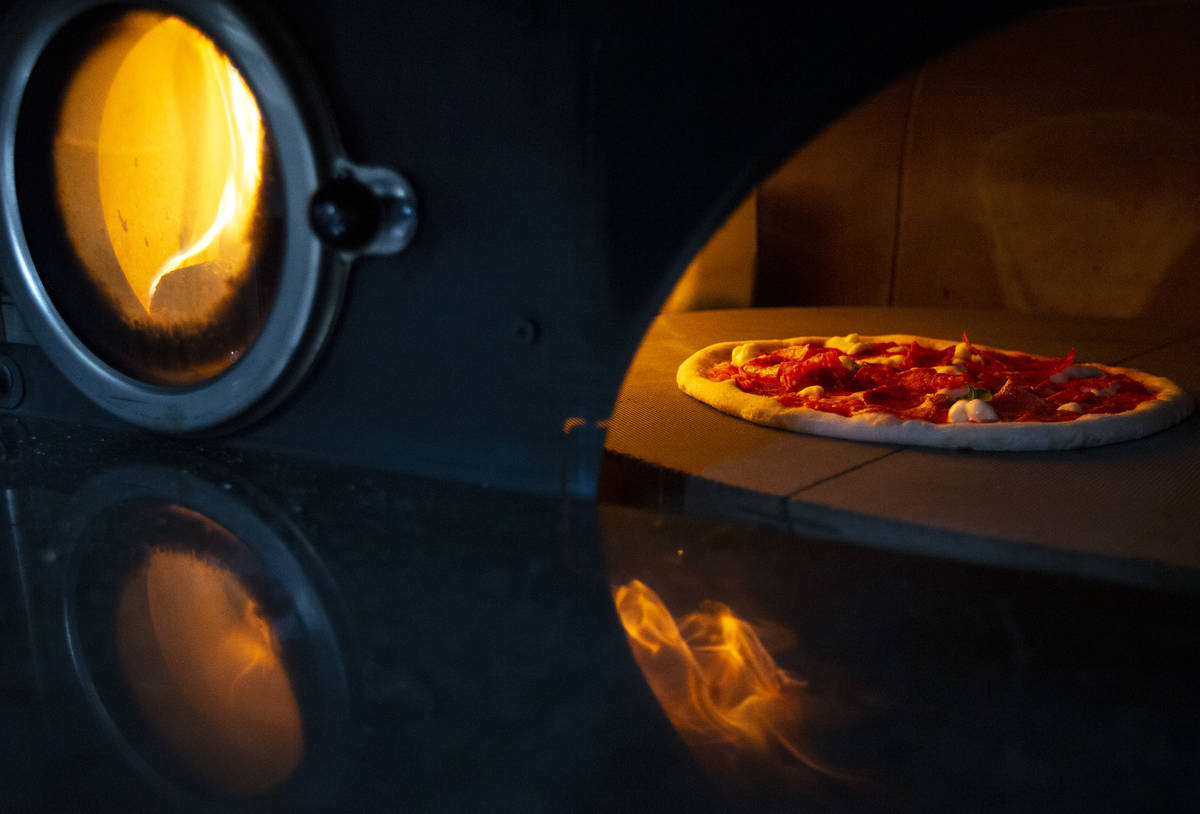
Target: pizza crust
column 1170, row 406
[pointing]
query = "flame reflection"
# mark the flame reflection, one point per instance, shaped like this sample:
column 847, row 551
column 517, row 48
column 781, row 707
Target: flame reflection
column 203, row 666
column 158, row 159
column 717, row 683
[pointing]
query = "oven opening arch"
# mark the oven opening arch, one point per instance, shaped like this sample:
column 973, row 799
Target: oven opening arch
column 691, row 499
column 745, row 91
column 958, row 198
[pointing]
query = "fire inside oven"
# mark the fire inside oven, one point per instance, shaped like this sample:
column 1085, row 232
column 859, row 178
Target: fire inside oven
column 164, row 187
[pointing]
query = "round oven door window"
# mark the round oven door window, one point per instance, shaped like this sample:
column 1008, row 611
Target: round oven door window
column 157, row 168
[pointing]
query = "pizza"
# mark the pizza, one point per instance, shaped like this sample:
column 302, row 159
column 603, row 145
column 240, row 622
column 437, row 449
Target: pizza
column 931, row 392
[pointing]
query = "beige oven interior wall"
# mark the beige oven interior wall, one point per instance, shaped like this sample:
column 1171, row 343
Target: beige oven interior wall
column 1052, row 167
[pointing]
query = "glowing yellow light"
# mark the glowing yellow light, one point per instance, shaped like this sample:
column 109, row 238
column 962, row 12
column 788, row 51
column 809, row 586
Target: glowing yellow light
column 158, row 160
column 203, row 666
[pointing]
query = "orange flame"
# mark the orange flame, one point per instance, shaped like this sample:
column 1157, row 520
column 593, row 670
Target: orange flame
column 715, row 680
column 158, row 158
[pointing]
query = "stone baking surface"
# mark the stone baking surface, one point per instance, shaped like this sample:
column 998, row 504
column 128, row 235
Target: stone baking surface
column 1126, row 509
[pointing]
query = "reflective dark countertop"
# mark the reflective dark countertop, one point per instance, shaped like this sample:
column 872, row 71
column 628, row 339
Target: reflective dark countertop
column 189, row 626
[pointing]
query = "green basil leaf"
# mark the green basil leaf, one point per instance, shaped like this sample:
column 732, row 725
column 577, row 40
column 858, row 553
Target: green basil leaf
column 981, row 393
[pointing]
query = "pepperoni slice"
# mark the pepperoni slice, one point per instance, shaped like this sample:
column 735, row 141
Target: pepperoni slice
column 821, row 366
column 892, row 396
column 1014, row 402
column 918, row 355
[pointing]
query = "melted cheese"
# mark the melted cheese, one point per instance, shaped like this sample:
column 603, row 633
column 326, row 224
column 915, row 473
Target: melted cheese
column 972, row 410
column 745, row 352
column 849, row 344
column 885, row 359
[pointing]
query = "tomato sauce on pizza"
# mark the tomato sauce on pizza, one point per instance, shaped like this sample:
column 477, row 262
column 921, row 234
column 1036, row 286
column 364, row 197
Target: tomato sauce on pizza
column 914, row 381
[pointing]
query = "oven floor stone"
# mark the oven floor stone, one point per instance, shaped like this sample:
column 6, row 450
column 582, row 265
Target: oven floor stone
column 1125, row 511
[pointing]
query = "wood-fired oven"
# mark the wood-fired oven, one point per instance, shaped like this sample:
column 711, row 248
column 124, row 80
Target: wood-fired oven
column 326, row 327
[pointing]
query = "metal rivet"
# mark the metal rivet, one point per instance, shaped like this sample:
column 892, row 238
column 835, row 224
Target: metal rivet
column 525, row 330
